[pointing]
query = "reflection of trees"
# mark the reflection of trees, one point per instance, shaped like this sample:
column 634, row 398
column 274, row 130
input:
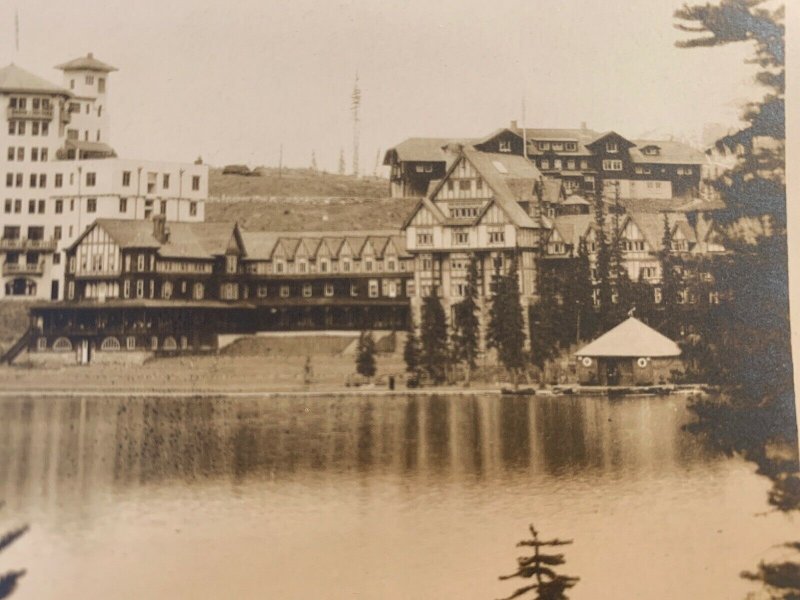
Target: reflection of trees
column 79, row 445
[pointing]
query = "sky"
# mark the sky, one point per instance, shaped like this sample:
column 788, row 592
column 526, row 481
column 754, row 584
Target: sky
column 236, row 81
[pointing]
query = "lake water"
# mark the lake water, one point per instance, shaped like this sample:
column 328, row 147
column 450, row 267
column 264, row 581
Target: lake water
column 371, row 497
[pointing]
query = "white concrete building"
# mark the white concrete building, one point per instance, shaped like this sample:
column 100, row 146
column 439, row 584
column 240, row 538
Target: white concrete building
column 59, row 173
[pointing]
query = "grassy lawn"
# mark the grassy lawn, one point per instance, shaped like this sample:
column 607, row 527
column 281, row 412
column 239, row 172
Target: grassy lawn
column 295, row 182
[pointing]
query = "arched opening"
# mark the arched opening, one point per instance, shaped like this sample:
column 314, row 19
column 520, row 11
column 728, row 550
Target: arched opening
column 62, row 344
column 110, row 344
column 170, row 343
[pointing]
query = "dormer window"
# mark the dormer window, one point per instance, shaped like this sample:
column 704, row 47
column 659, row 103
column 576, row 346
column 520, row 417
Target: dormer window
column 612, row 147
column 505, row 146
column 544, row 146
column 230, row 263
column 651, row 150
column 571, row 146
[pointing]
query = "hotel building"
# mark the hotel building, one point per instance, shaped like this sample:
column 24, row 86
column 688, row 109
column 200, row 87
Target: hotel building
column 59, row 173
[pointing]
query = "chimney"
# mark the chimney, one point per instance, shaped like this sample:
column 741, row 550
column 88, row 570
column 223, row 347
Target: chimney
column 514, row 125
column 160, row 231
column 90, row 55
column 583, row 125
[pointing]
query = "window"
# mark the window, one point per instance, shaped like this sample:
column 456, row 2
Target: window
column 261, row 291
column 571, row 164
column 557, row 164
column 544, row 145
column 91, row 205
column 165, row 181
column 139, row 288
column 18, row 180
column 612, row 165
column 90, row 80
column 464, row 185
column 123, row 205
column 8, row 205
column 140, row 262
column 130, row 342
column 284, row 291
column 33, row 180
column 450, row 185
column 198, row 291
column 57, row 232
column 424, row 238
column 12, row 127
column 91, row 179
column 328, row 290
column 35, row 128
column 570, row 146
column 195, row 183
column 353, row 290
column 166, row 290
column 9, row 179
column 40, row 207
column 307, row 290
column 505, row 146
column 101, row 88
column 497, row 237
column 11, row 153
column 193, row 209
column 59, row 180
column 612, row 147
column 17, row 206
column 545, row 164
column 368, row 265
column 230, row 263
column 126, row 178
column 21, row 127
column 162, row 207
column 31, row 207
column 43, row 180
column 45, row 128
column 34, row 154
column 461, row 237
column 230, row 291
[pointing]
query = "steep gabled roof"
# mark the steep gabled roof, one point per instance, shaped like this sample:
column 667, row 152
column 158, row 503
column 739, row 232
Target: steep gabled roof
column 631, row 338
column 610, row 134
column 507, row 176
column 86, row 63
column 185, row 240
column 423, row 149
column 573, row 227
column 670, row 152
column 17, row 79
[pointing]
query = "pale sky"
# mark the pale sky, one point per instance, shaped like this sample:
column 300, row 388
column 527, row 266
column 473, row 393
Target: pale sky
column 233, row 80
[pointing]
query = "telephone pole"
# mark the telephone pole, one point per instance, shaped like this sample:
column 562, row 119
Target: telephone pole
column 355, row 106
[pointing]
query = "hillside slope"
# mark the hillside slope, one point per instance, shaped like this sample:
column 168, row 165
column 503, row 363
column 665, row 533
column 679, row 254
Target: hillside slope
column 340, row 214
column 294, row 182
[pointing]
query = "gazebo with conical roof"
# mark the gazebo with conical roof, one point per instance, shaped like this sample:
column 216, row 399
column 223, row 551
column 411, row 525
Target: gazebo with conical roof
column 631, row 353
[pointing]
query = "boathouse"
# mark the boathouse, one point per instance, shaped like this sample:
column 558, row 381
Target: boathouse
column 629, row 354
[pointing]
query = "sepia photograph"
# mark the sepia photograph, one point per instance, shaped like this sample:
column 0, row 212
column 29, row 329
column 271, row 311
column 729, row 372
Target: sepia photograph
column 351, row 300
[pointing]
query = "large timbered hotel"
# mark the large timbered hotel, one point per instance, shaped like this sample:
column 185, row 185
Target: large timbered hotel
column 152, row 286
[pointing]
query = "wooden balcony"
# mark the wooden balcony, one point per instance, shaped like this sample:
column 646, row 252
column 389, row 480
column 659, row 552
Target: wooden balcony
column 23, row 268
column 22, row 244
column 30, row 113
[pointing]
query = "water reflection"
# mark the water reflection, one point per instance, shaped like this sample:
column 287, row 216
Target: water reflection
column 78, row 446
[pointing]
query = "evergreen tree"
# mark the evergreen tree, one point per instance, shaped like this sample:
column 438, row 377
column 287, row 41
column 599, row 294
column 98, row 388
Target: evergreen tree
column 548, row 584
column 753, row 356
column 582, row 292
column 411, row 351
column 466, row 334
column 365, row 354
column 622, row 289
column 543, row 316
column 8, row 580
column 507, row 323
column 670, row 284
column 433, row 338
column 602, row 263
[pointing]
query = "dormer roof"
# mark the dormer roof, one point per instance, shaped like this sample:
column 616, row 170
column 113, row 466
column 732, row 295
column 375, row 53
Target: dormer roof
column 86, row 63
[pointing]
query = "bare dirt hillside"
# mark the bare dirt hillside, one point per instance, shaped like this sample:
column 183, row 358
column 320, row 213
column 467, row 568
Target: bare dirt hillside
column 340, row 214
column 294, row 182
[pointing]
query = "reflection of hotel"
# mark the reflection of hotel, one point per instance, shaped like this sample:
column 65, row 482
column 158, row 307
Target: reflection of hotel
column 60, row 174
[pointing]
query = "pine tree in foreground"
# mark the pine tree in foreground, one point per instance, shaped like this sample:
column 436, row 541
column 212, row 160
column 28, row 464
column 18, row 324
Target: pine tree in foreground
column 466, row 332
column 365, row 354
column 433, row 338
column 548, row 584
